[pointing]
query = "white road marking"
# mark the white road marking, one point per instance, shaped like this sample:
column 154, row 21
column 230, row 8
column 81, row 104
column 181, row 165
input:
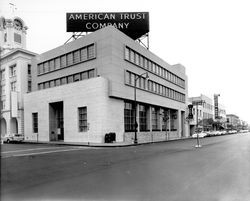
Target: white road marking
column 41, row 153
column 45, row 152
column 23, row 150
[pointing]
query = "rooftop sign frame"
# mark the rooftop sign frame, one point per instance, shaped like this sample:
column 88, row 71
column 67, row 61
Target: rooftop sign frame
column 133, row 24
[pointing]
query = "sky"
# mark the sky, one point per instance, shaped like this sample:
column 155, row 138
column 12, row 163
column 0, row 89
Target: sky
column 211, row 38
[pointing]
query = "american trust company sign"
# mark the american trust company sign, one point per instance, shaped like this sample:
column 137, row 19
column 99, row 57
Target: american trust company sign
column 133, row 24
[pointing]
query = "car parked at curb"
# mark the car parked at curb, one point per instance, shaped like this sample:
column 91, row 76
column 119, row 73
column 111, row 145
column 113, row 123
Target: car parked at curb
column 200, row 135
column 13, row 137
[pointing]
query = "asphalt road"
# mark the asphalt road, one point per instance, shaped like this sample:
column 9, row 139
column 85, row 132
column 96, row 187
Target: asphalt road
column 170, row 171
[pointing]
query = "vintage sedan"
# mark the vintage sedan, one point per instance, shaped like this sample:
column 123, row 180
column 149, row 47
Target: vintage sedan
column 13, row 137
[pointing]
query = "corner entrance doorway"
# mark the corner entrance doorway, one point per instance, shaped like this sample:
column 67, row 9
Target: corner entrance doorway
column 56, row 121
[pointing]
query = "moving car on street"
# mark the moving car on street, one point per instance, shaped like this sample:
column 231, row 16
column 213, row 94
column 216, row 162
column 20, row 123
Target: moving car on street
column 14, row 137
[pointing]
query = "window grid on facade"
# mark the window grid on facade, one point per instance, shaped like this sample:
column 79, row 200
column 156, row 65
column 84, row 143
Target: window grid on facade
column 143, row 118
column 35, row 122
column 2, row 75
column 13, row 70
column 81, row 55
column 153, row 87
column 82, row 118
column 129, row 117
column 154, row 119
column 29, row 86
column 29, row 69
column 17, row 38
column 67, row 80
column 137, row 59
column 13, row 86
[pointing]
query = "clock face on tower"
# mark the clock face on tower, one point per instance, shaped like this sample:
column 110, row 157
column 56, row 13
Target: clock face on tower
column 18, row 24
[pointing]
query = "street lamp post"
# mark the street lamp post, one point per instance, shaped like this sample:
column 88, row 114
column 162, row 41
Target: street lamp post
column 135, row 102
column 201, row 102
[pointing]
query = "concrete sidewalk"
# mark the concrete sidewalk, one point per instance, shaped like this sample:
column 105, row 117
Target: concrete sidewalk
column 114, row 144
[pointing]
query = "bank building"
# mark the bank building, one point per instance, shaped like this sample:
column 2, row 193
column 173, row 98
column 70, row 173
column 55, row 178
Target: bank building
column 15, row 74
column 99, row 84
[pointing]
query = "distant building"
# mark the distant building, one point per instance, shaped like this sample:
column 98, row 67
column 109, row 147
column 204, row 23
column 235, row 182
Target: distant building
column 15, row 74
column 85, row 89
column 233, row 121
column 222, row 115
column 203, row 109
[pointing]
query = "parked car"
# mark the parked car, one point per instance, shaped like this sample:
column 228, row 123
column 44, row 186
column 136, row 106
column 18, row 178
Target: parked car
column 200, row 135
column 232, row 131
column 211, row 133
column 14, row 137
column 224, row 132
column 243, row 131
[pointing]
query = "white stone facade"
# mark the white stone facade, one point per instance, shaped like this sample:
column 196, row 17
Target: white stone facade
column 14, row 79
column 59, row 78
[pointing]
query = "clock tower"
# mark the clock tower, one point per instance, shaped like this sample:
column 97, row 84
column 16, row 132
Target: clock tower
column 12, row 34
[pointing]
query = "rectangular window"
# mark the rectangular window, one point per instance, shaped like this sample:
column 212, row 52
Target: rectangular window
column 127, row 53
column 84, row 55
column 143, row 83
column 132, row 79
column 76, row 56
column 40, row 86
column 57, row 63
column 57, row 82
column 146, row 63
column 157, row 69
column 150, row 85
column 63, row 80
column 163, row 91
column 70, row 79
column 29, row 86
column 154, row 119
column 35, row 122
column 143, row 118
column 84, row 75
column 5, row 37
column 137, row 61
column 13, row 70
column 46, row 67
column 52, row 65
column 29, row 69
column 2, row 76
column 129, row 117
column 76, row 77
column 82, row 119
column 91, row 51
column 153, row 68
column 46, row 85
column 69, row 59
column 52, row 83
column 132, row 56
column 63, row 61
column 153, row 87
column 141, row 61
column 17, row 38
column 13, row 86
column 3, row 90
column 91, row 73
column 127, row 77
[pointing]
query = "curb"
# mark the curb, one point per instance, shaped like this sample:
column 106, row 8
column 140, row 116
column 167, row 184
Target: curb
column 107, row 145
